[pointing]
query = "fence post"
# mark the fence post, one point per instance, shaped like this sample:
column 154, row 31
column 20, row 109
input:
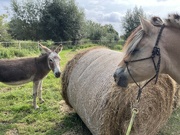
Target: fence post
column 38, row 46
column 19, row 43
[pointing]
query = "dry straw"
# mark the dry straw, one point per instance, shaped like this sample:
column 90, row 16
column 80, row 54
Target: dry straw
column 88, row 87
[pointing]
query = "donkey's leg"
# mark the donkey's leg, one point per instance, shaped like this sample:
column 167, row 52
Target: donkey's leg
column 40, row 92
column 35, row 88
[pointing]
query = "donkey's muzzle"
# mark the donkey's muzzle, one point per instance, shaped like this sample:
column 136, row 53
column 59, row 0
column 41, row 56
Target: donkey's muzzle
column 57, row 74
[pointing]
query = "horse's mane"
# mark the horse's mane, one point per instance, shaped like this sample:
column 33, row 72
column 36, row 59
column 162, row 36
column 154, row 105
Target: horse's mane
column 173, row 20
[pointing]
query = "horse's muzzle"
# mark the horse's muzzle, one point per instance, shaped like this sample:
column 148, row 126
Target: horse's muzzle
column 120, row 78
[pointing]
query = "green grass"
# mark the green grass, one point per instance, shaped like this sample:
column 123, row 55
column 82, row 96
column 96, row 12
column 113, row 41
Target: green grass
column 173, row 125
column 18, row 116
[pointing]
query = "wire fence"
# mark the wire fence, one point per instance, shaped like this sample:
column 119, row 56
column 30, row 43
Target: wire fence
column 33, row 45
column 31, row 48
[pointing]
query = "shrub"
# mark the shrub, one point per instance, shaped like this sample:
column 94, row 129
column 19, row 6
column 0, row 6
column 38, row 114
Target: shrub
column 118, row 47
column 11, row 52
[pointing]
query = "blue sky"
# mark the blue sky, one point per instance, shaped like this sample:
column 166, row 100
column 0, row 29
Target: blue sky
column 112, row 11
column 4, row 5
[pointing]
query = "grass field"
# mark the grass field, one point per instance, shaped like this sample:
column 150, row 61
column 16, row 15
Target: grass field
column 17, row 116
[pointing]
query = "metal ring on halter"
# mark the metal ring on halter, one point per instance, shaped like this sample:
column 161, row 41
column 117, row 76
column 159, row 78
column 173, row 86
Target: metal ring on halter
column 135, row 110
column 134, row 113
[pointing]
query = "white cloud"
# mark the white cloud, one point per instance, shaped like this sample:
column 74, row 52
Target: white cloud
column 111, row 11
column 101, row 17
column 112, row 17
column 94, row 2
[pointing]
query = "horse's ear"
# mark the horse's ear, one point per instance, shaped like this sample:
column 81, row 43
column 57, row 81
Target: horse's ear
column 44, row 49
column 146, row 25
column 59, row 49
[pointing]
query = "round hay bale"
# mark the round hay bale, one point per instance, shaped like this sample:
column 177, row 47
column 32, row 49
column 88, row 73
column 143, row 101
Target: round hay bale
column 177, row 97
column 88, row 87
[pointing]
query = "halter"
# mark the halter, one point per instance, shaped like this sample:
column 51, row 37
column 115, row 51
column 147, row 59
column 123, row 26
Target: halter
column 155, row 52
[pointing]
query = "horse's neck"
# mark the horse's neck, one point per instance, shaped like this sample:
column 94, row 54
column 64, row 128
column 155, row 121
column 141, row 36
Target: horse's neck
column 172, row 53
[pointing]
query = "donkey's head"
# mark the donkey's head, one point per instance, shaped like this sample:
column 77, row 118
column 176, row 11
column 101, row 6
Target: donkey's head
column 53, row 59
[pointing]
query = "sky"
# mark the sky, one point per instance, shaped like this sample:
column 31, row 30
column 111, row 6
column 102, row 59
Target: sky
column 112, row 11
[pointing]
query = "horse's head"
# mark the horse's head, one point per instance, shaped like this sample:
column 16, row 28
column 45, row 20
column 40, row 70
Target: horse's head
column 53, row 59
column 137, row 64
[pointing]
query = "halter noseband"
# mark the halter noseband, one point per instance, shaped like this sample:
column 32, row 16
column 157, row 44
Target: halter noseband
column 155, row 52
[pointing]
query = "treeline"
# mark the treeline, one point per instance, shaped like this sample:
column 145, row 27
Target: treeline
column 59, row 21
column 56, row 20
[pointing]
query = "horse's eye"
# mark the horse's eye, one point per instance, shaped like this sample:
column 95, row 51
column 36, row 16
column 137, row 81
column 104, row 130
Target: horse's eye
column 50, row 60
column 135, row 51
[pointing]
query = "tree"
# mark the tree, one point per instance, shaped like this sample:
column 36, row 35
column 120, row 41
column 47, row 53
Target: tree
column 131, row 20
column 98, row 33
column 55, row 20
column 4, row 27
column 62, row 20
column 111, row 33
column 94, row 31
column 24, row 23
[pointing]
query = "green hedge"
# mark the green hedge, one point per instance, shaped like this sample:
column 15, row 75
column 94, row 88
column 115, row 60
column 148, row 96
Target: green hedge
column 11, row 52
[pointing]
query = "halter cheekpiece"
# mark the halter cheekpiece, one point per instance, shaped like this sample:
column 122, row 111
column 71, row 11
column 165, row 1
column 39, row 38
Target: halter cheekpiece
column 155, row 52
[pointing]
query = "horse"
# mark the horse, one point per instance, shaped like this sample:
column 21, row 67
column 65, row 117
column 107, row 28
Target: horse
column 33, row 69
column 151, row 49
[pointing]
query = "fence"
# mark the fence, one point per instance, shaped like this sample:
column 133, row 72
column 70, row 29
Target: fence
column 33, row 46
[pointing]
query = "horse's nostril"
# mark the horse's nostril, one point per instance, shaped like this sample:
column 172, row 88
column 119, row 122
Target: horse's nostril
column 57, row 74
column 114, row 75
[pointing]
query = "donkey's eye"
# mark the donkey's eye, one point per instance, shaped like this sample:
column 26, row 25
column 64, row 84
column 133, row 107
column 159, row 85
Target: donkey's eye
column 135, row 51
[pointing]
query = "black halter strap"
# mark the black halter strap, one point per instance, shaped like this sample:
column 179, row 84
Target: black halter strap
column 155, row 52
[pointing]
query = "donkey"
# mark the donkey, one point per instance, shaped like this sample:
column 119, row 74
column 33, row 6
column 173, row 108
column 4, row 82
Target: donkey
column 153, row 48
column 24, row 70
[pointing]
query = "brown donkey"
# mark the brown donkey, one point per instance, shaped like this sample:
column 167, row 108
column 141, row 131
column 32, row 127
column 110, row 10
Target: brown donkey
column 24, row 70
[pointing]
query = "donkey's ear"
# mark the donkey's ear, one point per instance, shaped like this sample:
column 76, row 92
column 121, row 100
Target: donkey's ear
column 44, row 49
column 146, row 25
column 59, row 49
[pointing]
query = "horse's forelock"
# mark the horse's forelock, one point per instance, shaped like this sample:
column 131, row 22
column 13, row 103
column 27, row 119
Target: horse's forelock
column 133, row 40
